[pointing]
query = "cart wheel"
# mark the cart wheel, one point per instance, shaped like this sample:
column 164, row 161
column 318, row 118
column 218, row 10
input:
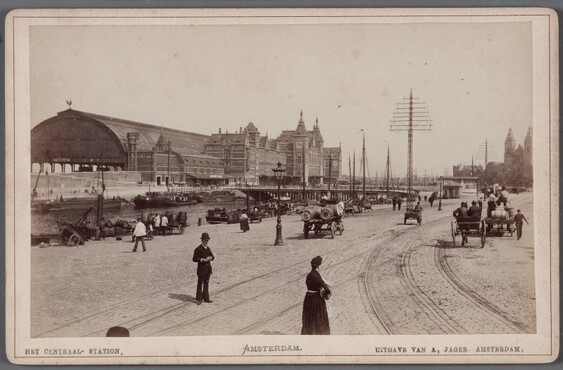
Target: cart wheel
column 419, row 220
column 462, row 239
column 511, row 231
column 149, row 237
column 332, row 229
column 341, row 228
column 306, row 231
column 483, row 238
column 453, row 232
column 74, row 240
column 182, row 228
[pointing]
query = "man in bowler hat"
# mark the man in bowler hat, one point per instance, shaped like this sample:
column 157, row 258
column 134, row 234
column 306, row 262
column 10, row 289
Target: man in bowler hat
column 203, row 257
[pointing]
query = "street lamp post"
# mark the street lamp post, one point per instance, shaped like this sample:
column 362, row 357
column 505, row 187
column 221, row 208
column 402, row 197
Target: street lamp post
column 440, row 201
column 278, row 174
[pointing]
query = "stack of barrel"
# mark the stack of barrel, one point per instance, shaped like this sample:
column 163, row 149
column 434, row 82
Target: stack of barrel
column 502, row 213
column 326, row 213
column 117, row 228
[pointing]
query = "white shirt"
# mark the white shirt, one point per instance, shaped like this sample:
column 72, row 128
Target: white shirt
column 140, row 229
column 157, row 221
column 164, row 221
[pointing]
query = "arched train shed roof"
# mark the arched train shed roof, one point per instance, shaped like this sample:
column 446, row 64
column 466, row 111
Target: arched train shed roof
column 79, row 137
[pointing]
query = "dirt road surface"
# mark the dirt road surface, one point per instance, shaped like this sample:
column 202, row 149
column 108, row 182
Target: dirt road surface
column 387, row 278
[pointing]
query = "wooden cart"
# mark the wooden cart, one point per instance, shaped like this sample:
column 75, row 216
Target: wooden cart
column 469, row 227
column 320, row 226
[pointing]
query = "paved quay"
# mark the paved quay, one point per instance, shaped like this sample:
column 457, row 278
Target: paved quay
column 387, row 278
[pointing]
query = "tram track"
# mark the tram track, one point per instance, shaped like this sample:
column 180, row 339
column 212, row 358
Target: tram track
column 477, row 300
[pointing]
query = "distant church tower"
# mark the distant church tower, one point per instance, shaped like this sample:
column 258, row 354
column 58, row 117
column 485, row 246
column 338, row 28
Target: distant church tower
column 528, row 142
column 509, row 147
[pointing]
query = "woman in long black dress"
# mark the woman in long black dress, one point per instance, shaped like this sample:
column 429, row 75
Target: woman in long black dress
column 315, row 316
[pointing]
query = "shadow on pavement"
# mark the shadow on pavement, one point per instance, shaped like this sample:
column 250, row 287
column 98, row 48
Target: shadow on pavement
column 182, row 297
column 443, row 244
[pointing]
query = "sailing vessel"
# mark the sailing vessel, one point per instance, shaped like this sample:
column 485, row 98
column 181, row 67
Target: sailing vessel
column 163, row 200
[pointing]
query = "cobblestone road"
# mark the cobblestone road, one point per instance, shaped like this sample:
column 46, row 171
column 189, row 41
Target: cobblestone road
column 388, row 278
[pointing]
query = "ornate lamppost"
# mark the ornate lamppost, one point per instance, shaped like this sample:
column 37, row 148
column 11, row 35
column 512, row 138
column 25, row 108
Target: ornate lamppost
column 278, row 174
column 440, row 201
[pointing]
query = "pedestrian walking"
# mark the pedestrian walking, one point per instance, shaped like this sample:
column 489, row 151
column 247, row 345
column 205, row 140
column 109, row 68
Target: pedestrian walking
column 244, row 222
column 425, row 198
column 431, row 200
column 399, row 202
column 139, row 234
column 203, row 257
column 394, row 202
column 518, row 218
column 315, row 314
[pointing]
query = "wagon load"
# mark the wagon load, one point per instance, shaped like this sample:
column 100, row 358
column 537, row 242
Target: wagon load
column 511, row 212
column 500, row 214
column 311, row 213
column 331, row 211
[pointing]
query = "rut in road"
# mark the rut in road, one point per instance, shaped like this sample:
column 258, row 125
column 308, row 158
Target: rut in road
column 287, row 304
column 447, row 301
column 97, row 318
column 480, row 302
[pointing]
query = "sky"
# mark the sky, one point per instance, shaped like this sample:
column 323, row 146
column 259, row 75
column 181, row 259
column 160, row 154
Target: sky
column 476, row 79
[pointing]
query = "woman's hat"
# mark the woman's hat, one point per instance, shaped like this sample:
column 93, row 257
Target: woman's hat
column 205, row 236
column 316, row 262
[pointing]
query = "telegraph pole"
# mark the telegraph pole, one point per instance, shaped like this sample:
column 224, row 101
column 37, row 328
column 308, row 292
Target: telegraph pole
column 168, row 179
column 364, row 164
column 411, row 114
column 388, row 167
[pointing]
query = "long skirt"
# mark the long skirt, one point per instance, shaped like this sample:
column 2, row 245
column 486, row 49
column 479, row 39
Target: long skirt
column 315, row 316
column 244, row 225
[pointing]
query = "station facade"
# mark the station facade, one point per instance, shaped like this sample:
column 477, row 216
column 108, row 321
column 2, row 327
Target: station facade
column 75, row 141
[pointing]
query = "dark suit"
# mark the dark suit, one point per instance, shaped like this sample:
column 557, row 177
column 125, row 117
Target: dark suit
column 204, row 272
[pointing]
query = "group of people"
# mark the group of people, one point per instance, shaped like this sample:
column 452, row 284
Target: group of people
column 160, row 224
column 493, row 202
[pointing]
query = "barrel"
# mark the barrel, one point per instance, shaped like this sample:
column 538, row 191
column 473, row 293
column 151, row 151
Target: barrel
column 232, row 218
column 499, row 214
column 310, row 213
column 511, row 211
column 109, row 231
column 331, row 211
column 173, row 220
column 182, row 217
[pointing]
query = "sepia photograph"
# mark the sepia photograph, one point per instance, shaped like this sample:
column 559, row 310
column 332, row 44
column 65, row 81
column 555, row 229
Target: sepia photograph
column 215, row 186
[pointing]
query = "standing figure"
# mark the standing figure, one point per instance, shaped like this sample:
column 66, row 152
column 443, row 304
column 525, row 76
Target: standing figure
column 164, row 224
column 394, row 202
column 399, row 202
column 203, row 257
column 157, row 223
column 425, row 198
column 518, row 217
column 503, row 197
column 139, row 234
column 315, row 315
column 244, row 222
column 491, row 206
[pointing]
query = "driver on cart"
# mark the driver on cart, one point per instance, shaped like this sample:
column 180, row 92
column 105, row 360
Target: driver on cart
column 460, row 215
column 474, row 211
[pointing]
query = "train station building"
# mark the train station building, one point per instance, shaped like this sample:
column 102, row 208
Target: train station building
column 75, row 141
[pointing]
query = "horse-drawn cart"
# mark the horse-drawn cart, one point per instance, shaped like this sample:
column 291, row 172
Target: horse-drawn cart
column 323, row 220
column 468, row 226
column 413, row 214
